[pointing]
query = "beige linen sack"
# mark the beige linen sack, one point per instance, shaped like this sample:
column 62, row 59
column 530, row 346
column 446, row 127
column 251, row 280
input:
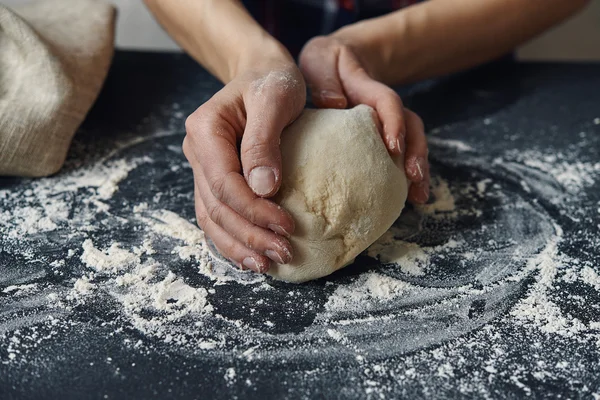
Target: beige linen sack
column 54, row 57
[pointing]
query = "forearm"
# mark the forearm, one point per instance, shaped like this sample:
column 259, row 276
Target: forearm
column 438, row 37
column 219, row 34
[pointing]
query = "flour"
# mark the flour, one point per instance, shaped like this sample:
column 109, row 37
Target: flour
column 16, row 290
column 591, row 277
column 371, row 286
column 573, row 176
column 337, row 336
column 112, row 259
column 443, row 200
column 31, row 221
column 83, row 286
column 172, row 225
column 139, row 287
column 171, row 294
column 102, row 178
column 50, row 202
column 459, row 280
column 409, row 256
column 454, row 144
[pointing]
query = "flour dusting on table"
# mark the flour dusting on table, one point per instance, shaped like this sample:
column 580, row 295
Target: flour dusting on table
column 482, row 261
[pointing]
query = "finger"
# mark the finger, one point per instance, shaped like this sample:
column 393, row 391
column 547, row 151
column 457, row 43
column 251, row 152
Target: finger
column 228, row 246
column 360, row 88
column 255, row 238
column 419, row 192
column 270, row 107
column 319, row 65
column 215, row 156
column 377, row 122
column 415, row 161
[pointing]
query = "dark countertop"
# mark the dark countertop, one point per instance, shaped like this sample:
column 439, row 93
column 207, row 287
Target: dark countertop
column 499, row 297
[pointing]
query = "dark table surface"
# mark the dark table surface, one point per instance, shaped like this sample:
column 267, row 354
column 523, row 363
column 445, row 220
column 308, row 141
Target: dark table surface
column 499, row 296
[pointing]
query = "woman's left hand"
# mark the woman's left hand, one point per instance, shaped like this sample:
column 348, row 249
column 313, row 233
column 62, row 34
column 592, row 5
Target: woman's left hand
column 338, row 79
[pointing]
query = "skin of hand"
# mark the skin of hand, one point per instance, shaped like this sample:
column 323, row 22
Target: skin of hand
column 429, row 39
column 438, row 37
column 231, row 188
column 263, row 94
column 337, row 79
column 232, row 140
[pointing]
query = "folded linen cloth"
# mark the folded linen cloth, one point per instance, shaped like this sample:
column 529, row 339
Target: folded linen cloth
column 54, row 57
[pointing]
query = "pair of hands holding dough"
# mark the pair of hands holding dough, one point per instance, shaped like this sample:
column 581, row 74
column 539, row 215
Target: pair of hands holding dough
column 233, row 187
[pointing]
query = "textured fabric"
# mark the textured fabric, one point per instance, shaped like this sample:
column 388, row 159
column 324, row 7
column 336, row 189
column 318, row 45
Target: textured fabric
column 294, row 22
column 54, row 57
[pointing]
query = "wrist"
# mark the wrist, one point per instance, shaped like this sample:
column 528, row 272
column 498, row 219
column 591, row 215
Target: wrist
column 378, row 44
column 367, row 45
column 261, row 52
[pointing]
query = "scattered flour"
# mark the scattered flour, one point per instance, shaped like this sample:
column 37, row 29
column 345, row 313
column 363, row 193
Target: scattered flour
column 175, row 303
column 83, row 286
column 411, row 257
column 170, row 224
column 16, row 290
column 443, row 200
column 591, row 277
column 111, row 260
column 370, row 286
column 573, row 176
column 454, row 144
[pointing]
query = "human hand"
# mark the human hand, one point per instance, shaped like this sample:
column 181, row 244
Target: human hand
column 338, row 79
column 232, row 183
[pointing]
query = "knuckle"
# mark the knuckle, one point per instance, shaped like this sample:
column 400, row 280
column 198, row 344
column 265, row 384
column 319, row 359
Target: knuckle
column 197, row 122
column 201, row 219
column 250, row 240
column 258, row 148
column 186, row 146
column 191, row 123
column 391, row 95
column 420, row 125
column 283, row 84
column 317, row 41
column 218, row 185
column 250, row 214
column 416, row 121
column 421, row 129
column 215, row 212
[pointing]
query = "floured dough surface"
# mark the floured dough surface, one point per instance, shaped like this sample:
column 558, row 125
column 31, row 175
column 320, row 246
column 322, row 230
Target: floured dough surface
column 340, row 185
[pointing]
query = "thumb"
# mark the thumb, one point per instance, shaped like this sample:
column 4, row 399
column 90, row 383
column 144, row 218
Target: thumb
column 319, row 65
column 260, row 152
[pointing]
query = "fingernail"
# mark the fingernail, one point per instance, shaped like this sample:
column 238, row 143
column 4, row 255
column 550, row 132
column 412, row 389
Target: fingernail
column 279, row 230
column 249, row 263
column 262, row 180
column 399, row 148
column 420, row 167
column 333, row 99
column 273, row 255
column 392, row 144
column 328, row 94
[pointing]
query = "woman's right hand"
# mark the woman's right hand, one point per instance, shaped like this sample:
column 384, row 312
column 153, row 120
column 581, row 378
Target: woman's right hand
column 232, row 144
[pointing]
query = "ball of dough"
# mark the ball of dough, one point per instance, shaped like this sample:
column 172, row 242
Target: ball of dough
column 340, row 185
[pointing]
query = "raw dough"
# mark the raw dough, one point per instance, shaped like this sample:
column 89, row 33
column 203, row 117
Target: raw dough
column 340, row 185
